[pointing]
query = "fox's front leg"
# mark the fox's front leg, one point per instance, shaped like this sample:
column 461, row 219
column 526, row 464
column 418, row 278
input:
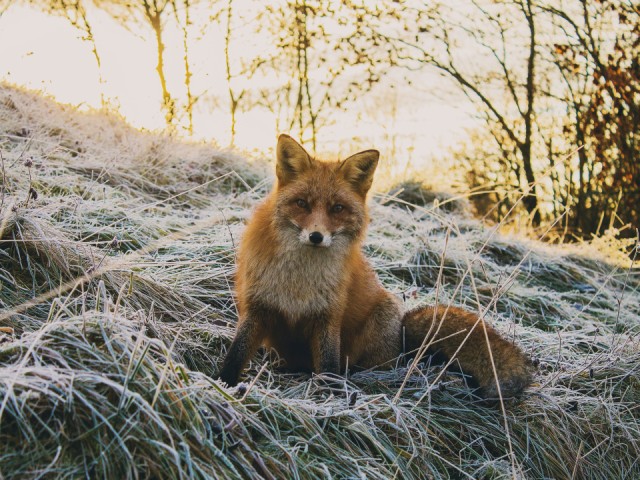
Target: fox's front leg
column 325, row 348
column 249, row 336
column 458, row 334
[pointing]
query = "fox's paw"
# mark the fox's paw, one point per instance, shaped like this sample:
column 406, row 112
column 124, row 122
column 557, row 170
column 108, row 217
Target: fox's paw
column 229, row 374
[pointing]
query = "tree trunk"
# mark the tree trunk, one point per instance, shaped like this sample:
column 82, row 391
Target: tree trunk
column 168, row 103
column 531, row 200
column 233, row 101
column 187, row 64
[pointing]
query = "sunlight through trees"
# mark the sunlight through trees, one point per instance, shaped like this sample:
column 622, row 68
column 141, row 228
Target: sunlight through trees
column 554, row 90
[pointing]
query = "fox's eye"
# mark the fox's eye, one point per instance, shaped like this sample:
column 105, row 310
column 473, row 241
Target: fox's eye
column 301, row 203
column 337, row 208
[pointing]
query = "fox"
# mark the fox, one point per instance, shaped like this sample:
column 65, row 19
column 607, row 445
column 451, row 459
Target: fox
column 304, row 288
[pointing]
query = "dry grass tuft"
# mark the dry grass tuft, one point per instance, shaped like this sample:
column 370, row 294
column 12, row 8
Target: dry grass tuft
column 116, row 281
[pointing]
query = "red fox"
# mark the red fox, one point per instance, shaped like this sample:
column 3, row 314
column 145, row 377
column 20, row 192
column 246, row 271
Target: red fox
column 304, row 287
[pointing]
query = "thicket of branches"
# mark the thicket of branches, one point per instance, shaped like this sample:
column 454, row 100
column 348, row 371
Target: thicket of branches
column 558, row 87
column 556, row 84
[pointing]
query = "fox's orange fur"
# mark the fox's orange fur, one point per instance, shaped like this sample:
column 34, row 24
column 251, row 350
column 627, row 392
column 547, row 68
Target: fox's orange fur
column 304, row 287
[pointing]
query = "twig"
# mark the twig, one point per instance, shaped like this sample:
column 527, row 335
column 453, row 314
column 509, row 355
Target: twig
column 4, row 181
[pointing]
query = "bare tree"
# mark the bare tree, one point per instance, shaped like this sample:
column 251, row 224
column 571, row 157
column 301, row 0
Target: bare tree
column 151, row 13
column 182, row 14
column 550, row 79
column 327, row 54
column 76, row 13
column 489, row 51
column 596, row 52
column 234, row 97
column 157, row 15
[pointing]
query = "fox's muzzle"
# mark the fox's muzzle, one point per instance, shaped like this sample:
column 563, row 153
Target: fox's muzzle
column 315, row 238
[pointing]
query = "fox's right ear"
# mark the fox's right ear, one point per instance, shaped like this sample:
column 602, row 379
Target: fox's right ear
column 358, row 170
column 292, row 159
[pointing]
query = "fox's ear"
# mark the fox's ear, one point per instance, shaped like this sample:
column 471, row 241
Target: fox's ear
column 358, row 170
column 292, row 159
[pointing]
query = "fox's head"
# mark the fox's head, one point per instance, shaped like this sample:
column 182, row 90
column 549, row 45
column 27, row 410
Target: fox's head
column 322, row 203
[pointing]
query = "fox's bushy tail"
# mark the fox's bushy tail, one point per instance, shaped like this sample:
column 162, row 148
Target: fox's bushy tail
column 451, row 332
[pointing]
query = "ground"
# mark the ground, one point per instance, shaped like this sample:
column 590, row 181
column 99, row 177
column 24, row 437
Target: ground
column 116, row 269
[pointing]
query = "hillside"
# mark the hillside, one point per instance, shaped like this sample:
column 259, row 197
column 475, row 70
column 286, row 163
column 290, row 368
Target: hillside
column 116, row 271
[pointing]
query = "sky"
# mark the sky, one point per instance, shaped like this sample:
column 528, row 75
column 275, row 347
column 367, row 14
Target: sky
column 44, row 52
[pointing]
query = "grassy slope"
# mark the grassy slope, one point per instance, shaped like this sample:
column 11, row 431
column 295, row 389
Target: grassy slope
column 117, row 308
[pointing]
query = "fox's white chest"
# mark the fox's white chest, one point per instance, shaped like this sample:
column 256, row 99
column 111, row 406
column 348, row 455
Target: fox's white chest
column 300, row 283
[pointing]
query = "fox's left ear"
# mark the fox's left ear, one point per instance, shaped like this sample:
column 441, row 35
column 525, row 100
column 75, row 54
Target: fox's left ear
column 358, row 170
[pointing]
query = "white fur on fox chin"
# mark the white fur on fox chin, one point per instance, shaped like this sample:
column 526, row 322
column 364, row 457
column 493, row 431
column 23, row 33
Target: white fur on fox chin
column 302, row 279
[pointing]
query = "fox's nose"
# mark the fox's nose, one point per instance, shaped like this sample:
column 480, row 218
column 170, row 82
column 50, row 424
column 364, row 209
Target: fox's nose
column 315, row 238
